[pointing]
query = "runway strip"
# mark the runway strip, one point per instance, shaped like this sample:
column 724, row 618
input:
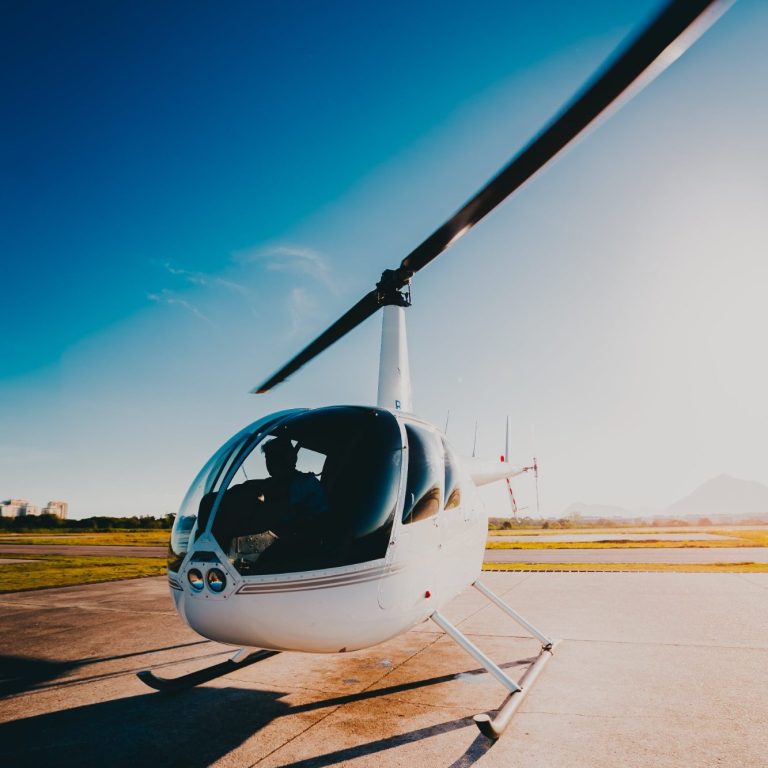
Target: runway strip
column 630, row 555
column 82, row 549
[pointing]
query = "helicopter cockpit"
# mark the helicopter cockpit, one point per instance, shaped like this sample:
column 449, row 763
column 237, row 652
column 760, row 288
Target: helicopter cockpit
column 299, row 490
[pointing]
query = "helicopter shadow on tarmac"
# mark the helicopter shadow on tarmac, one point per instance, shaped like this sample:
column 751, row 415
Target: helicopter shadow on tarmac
column 19, row 674
column 194, row 728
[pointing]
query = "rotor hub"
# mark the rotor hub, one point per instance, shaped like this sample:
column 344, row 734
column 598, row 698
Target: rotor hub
column 394, row 288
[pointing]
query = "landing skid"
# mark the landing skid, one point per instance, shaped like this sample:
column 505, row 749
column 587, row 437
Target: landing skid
column 494, row 727
column 182, row 682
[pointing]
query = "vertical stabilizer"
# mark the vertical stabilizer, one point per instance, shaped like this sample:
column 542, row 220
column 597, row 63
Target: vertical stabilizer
column 394, row 367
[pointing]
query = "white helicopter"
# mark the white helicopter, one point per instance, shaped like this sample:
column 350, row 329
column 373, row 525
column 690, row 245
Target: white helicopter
column 338, row 528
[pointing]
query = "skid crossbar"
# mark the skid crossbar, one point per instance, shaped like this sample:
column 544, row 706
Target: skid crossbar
column 494, row 727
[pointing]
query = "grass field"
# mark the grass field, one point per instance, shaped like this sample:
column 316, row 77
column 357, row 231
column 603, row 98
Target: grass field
column 108, row 538
column 638, row 567
column 59, row 571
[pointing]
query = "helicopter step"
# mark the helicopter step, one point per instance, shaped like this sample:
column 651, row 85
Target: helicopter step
column 242, row 658
column 490, row 727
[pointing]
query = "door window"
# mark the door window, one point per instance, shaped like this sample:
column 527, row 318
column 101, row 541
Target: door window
column 425, row 474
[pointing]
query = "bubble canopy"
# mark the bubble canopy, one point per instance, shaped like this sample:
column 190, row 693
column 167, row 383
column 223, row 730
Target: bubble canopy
column 298, row 490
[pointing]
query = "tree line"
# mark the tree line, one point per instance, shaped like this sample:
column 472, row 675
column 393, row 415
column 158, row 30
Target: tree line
column 100, row 523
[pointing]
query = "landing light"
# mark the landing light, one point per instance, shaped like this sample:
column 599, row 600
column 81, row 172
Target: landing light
column 216, row 580
column 195, row 579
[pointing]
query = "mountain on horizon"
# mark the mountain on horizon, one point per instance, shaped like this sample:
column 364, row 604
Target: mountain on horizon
column 608, row 510
column 723, row 495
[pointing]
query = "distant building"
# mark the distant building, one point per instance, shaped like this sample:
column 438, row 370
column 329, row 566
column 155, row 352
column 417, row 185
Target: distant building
column 18, row 508
column 57, row 508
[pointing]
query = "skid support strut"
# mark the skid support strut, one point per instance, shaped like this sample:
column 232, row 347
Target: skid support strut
column 546, row 643
column 494, row 727
column 241, row 658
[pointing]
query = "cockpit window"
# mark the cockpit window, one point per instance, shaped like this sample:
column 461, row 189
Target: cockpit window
column 425, row 474
column 452, row 488
column 203, row 488
column 317, row 491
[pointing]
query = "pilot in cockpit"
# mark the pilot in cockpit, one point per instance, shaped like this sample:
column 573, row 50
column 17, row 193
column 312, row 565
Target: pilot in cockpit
column 297, row 497
column 289, row 507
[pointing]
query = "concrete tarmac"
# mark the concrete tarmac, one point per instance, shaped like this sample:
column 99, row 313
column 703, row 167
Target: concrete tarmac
column 688, row 555
column 654, row 669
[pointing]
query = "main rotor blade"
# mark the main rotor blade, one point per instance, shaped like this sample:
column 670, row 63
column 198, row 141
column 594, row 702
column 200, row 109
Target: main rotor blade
column 364, row 308
column 680, row 22
column 669, row 34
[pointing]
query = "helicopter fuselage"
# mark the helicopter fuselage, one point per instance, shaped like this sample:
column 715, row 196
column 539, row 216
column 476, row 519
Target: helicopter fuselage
column 426, row 563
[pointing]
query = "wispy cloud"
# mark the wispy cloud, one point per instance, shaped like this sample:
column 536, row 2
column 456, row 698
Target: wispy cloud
column 298, row 260
column 206, row 280
column 171, row 299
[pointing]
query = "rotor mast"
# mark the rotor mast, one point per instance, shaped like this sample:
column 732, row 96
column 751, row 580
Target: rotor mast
column 395, row 390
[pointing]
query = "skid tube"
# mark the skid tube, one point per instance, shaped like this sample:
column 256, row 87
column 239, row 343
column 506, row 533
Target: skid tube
column 172, row 684
column 490, row 727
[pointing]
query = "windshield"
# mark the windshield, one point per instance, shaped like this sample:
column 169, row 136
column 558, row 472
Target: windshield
column 208, row 481
column 316, row 490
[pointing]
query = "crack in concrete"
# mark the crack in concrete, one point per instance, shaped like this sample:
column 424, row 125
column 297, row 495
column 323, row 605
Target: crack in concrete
column 82, row 607
column 743, row 577
column 373, row 684
column 666, row 645
column 682, row 718
column 338, row 707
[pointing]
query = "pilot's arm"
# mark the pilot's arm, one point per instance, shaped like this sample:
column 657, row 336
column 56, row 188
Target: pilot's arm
column 242, row 511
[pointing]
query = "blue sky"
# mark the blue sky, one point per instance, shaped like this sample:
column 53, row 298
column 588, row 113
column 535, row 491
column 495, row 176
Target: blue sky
column 191, row 192
column 137, row 134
